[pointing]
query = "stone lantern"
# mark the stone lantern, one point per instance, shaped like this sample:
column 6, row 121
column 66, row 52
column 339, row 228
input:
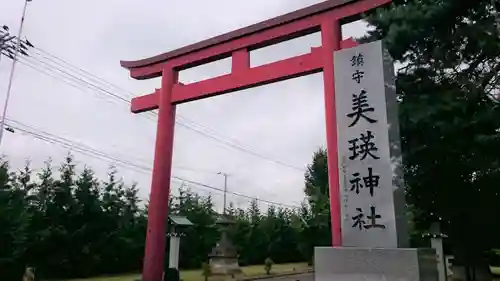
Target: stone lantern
column 224, row 257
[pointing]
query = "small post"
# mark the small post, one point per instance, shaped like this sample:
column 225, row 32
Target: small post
column 175, row 241
column 240, row 61
column 437, row 244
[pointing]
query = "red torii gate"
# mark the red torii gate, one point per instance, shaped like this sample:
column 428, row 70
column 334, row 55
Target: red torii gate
column 325, row 17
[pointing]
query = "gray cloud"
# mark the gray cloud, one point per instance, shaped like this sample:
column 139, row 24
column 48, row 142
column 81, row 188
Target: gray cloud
column 284, row 121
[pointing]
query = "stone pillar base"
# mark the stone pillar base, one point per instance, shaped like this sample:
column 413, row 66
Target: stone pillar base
column 374, row 264
column 224, row 266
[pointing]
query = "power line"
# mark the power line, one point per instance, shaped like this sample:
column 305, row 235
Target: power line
column 94, row 153
column 256, row 154
column 234, row 193
column 78, row 83
column 65, row 68
column 79, row 148
column 88, row 149
column 6, row 48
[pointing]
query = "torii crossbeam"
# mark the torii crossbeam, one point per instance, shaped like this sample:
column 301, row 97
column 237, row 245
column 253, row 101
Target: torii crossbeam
column 325, row 17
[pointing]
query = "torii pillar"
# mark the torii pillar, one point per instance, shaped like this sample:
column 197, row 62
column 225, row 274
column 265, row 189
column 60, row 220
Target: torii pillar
column 325, row 17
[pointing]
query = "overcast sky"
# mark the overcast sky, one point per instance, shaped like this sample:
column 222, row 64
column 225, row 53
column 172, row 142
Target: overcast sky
column 283, row 121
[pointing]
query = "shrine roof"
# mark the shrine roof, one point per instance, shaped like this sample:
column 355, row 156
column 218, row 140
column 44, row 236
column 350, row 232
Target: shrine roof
column 277, row 21
column 180, row 220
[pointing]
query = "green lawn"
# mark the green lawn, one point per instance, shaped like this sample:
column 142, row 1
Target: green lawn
column 195, row 275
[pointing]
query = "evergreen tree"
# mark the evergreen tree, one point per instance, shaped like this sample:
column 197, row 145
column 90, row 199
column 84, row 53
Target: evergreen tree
column 449, row 117
column 68, row 225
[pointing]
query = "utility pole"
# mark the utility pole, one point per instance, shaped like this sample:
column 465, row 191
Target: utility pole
column 8, row 49
column 225, row 190
column 12, row 70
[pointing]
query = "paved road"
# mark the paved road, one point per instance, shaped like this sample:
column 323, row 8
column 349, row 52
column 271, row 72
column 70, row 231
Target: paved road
column 298, row 277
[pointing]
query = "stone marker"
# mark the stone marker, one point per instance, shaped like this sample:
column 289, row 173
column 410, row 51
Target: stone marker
column 374, row 225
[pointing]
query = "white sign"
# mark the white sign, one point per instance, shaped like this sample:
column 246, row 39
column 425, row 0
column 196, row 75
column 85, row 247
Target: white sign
column 366, row 175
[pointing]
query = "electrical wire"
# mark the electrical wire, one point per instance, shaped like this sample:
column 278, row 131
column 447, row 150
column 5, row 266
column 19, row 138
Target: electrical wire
column 235, row 193
column 94, row 153
column 72, row 83
column 63, row 74
column 83, row 78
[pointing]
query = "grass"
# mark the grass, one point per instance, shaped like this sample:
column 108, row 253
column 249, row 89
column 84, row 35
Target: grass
column 195, row 275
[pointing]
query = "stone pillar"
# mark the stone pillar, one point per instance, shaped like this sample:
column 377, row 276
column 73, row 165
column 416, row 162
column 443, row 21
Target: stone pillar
column 374, row 223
